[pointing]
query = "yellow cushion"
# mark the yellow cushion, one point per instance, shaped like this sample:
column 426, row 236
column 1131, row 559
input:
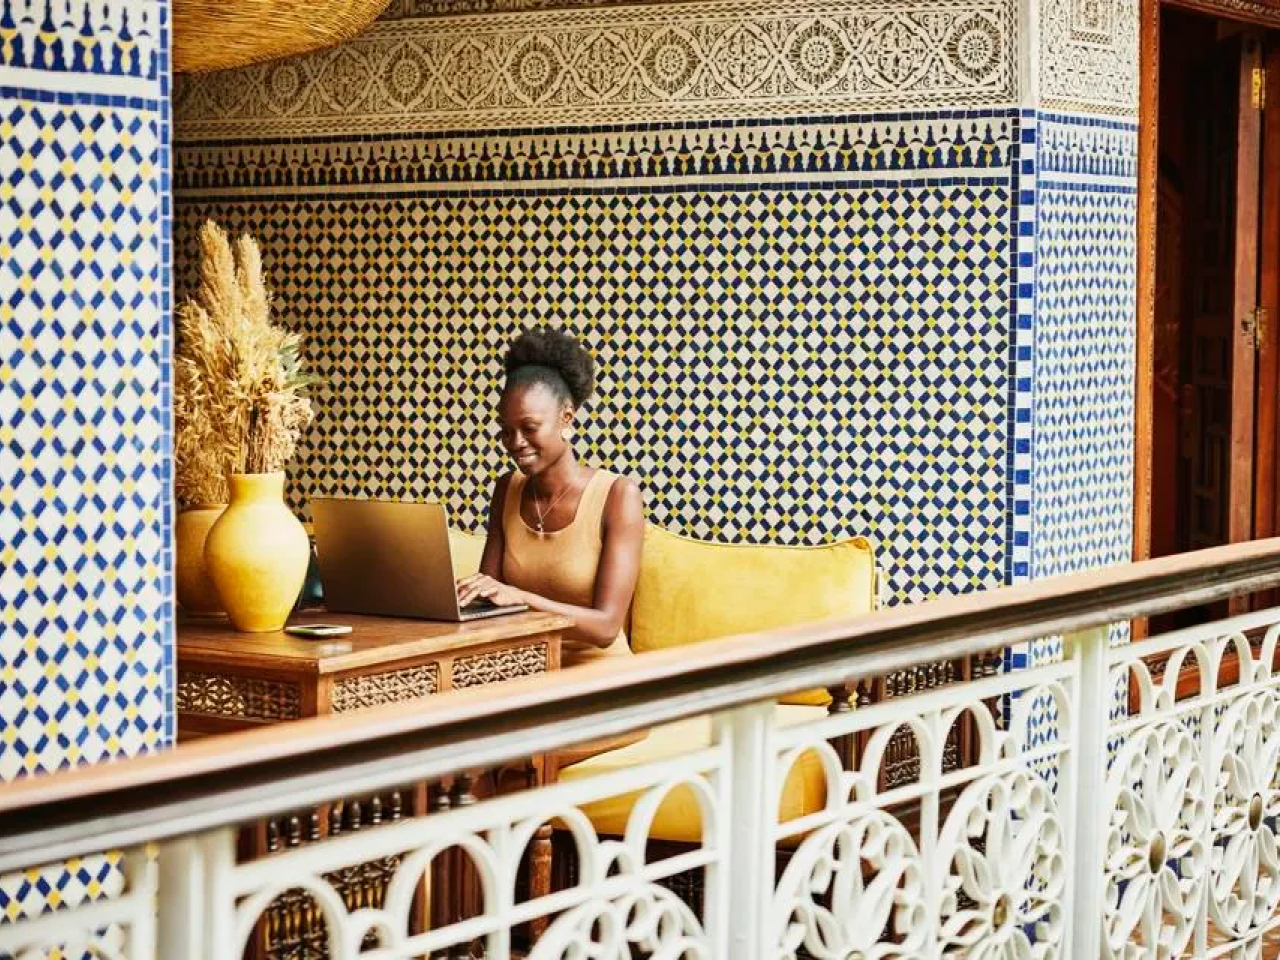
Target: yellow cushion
column 690, row 590
column 466, row 551
column 679, row 819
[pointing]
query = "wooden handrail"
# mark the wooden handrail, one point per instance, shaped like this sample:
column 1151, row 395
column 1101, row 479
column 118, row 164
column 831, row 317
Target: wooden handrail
column 226, row 780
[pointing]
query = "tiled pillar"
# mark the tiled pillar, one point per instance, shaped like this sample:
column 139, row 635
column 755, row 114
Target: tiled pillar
column 85, row 599
column 1077, row 318
column 1085, row 305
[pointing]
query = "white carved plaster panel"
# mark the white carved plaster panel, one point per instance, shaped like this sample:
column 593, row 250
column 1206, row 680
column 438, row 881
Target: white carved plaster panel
column 1089, row 55
column 623, row 65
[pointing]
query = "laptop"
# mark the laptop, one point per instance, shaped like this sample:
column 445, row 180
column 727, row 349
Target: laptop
column 391, row 559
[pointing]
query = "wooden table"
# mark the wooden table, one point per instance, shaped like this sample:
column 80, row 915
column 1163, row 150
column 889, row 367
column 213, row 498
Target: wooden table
column 231, row 681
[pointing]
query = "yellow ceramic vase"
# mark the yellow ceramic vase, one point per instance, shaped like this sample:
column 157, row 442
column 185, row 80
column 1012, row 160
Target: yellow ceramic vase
column 257, row 554
column 191, row 581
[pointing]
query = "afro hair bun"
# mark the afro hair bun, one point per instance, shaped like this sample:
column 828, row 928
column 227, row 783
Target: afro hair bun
column 556, row 351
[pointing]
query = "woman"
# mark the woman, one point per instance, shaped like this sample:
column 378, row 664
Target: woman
column 563, row 537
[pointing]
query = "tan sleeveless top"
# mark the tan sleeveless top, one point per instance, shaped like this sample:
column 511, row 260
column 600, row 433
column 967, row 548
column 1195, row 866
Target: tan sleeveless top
column 560, row 565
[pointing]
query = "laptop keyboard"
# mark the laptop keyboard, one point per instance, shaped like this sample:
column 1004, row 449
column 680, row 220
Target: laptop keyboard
column 483, row 607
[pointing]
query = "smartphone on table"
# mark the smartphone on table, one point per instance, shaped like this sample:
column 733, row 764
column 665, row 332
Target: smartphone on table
column 317, row 631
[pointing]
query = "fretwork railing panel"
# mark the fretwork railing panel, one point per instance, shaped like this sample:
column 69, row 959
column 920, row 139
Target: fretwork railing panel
column 1192, row 801
column 959, row 860
column 618, row 902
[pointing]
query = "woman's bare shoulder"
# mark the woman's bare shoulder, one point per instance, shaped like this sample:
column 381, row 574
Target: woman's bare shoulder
column 624, row 497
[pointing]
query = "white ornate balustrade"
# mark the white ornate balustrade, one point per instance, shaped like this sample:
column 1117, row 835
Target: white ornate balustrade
column 1138, row 827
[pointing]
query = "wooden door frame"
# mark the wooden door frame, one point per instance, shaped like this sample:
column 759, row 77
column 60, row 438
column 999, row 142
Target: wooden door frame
column 1259, row 12
column 1266, row 521
column 1245, row 298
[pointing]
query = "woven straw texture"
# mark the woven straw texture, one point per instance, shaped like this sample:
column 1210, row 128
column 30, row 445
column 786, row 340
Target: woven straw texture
column 217, row 34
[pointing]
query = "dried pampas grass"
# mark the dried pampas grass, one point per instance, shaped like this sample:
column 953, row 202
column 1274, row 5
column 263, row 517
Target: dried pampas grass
column 238, row 379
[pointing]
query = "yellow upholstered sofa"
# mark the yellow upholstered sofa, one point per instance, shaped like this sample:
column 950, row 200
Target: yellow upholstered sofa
column 466, row 550
column 690, row 591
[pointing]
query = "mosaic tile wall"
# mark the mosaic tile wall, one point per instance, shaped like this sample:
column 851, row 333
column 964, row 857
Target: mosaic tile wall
column 802, row 244
column 85, row 615
column 772, row 363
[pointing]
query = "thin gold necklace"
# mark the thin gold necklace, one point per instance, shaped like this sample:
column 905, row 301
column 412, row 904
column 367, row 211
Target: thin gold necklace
column 542, row 515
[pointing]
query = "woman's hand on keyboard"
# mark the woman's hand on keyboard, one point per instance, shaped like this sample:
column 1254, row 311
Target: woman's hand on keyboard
column 497, row 593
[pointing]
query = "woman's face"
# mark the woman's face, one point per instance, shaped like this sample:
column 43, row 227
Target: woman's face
column 531, row 419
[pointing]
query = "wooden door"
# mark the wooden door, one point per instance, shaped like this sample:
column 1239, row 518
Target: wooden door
column 1211, row 447
column 1221, row 271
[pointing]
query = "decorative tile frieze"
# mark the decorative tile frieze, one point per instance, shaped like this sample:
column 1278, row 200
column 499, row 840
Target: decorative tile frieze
column 1077, row 148
column 855, row 145
column 116, row 38
column 635, row 64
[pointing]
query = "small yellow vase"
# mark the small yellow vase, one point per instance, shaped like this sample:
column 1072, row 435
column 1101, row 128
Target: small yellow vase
column 191, row 581
column 257, row 554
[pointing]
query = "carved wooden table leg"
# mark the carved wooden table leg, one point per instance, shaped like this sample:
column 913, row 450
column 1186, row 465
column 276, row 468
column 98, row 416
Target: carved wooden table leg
column 539, row 877
column 442, row 874
column 844, row 746
column 464, row 881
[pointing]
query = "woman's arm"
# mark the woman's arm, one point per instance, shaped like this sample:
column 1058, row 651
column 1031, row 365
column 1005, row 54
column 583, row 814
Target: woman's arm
column 495, row 542
column 623, row 536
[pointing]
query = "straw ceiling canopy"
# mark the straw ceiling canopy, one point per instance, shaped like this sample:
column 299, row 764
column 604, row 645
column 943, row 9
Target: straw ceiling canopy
column 217, row 34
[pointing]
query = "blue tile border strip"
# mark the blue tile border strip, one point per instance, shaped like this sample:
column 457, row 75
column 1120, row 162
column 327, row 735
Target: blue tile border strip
column 164, row 169
column 80, row 99
column 1022, row 346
